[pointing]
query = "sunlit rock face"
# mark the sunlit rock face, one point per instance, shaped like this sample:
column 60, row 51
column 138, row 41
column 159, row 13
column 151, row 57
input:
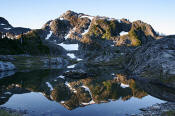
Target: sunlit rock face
column 86, row 28
column 96, row 36
column 91, row 38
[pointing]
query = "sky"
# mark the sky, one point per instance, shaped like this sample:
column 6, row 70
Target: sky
column 35, row 13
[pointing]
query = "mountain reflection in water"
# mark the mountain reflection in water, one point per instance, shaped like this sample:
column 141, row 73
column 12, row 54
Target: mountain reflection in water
column 46, row 91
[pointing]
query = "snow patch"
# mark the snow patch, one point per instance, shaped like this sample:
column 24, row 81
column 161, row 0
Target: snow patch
column 86, row 31
column 61, row 18
column 124, row 85
column 2, row 24
column 79, row 59
column 92, row 101
column 71, row 55
column 71, row 66
column 123, row 33
column 49, row 35
column 69, row 47
column 70, row 87
column 87, row 89
column 61, row 76
column 50, row 86
column 50, row 23
column 7, row 28
column 62, row 102
column 86, row 16
column 71, row 31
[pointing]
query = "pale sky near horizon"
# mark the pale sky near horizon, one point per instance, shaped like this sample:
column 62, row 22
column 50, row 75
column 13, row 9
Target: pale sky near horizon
column 35, row 13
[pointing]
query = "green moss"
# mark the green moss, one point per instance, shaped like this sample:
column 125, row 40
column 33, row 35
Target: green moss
column 95, row 30
column 103, row 29
column 107, row 34
column 110, row 30
column 108, row 85
column 113, row 25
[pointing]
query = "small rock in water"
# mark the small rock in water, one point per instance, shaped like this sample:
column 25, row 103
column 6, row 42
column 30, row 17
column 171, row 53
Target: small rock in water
column 143, row 109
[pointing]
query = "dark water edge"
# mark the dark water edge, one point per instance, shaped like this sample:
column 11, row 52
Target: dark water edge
column 43, row 93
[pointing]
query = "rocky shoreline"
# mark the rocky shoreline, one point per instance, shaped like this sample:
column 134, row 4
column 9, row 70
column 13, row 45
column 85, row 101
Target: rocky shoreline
column 163, row 109
column 12, row 112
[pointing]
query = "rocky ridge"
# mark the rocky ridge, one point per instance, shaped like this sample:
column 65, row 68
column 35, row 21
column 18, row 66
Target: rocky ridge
column 8, row 30
column 100, row 40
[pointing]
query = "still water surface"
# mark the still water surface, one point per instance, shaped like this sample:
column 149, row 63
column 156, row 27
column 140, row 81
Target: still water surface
column 48, row 93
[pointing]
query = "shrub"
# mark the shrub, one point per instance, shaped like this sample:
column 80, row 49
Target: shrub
column 29, row 43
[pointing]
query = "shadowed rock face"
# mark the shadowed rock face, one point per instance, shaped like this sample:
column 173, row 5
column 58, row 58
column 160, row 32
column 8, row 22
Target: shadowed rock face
column 4, row 22
column 11, row 31
column 157, row 91
column 155, row 61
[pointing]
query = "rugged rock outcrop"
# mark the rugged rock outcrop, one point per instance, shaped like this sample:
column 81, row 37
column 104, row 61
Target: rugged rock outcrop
column 96, row 36
column 155, row 61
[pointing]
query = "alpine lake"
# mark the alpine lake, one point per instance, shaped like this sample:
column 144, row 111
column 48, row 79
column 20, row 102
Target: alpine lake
column 49, row 93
